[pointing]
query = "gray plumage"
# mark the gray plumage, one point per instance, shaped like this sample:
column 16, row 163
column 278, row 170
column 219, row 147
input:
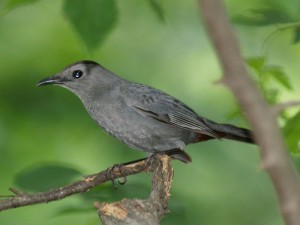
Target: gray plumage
column 141, row 116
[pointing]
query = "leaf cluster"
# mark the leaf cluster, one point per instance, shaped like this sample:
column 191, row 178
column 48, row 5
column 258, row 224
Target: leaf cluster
column 285, row 15
column 92, row 20
column 273, row 81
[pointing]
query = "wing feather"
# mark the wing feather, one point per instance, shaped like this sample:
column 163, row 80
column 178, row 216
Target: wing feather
column 165, row 108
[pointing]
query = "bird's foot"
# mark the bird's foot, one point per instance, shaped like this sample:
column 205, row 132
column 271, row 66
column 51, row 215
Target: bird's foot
column 110, row 174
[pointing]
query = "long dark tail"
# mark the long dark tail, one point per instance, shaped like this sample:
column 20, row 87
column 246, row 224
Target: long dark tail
column 232, row 132
column 226, row 131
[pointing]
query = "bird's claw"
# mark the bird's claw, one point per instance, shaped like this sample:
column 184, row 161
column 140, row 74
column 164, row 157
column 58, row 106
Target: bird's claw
column 111, row 176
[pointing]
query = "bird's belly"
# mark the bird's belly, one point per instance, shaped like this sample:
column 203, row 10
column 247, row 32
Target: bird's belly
column 152, row 140
column 145, row 133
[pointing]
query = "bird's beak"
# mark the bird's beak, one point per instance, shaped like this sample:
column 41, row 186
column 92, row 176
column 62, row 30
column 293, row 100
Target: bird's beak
column 49, row 80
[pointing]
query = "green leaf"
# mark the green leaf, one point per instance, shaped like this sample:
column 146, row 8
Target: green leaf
column 234, row 113
column 11, row 4
column 75, row 209
column 158, row 9
column 92, row 19
column 263, row 17
column 279, row 75
column 256, row 63
column 45, row 177
column 296, row 35
column 291, row 133
column 108, row 193
column 271, row 95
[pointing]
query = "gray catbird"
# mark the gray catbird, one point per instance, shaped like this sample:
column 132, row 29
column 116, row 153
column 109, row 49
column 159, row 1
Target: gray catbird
column 142, row 117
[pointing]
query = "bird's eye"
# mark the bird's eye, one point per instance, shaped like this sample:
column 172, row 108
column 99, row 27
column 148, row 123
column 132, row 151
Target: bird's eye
column 77, row 74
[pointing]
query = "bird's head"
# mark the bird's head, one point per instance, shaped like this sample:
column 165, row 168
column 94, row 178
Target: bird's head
column 73, row 75
column 82, row 77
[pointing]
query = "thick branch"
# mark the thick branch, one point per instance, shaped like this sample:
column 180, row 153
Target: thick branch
column 88, row 182
column 266, row 132
column 142, row 212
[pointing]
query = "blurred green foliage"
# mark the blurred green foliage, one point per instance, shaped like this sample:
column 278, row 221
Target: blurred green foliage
column 291, row 133
column 92, row 19
column 11, row 4
column 283, row 13
column 273, row 82
column 45, row 177
column 47, row 139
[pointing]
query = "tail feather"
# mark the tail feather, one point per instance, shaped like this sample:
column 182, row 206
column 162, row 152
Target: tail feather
column 232, row 132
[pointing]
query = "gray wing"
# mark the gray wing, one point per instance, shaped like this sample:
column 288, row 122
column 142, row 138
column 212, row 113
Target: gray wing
column 165, row 108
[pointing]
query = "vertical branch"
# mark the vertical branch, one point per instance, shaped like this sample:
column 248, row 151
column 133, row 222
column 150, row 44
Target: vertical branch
column 143, row 211
column 275, row 159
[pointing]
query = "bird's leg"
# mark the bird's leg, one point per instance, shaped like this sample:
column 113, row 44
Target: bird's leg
column 110, row 174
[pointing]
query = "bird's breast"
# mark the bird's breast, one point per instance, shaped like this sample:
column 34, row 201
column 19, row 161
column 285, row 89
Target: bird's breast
column 138, row 131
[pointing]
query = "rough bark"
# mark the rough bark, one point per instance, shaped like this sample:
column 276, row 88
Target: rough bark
column 21, row 198
column 147, row 211
column 274, row 156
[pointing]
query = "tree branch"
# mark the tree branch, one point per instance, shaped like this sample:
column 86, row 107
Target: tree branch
column 284, row 105
column 23, row 199
column 142, row 212
column 274, row 156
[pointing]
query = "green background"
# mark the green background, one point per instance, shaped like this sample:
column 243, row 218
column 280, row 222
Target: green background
column 43, row 127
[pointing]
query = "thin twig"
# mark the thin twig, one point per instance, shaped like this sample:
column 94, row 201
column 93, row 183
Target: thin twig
column 88, row 182
column 282, row 106
column 16, row 191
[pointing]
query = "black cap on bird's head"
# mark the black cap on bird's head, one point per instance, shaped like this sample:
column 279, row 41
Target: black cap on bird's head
column 71, row 73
